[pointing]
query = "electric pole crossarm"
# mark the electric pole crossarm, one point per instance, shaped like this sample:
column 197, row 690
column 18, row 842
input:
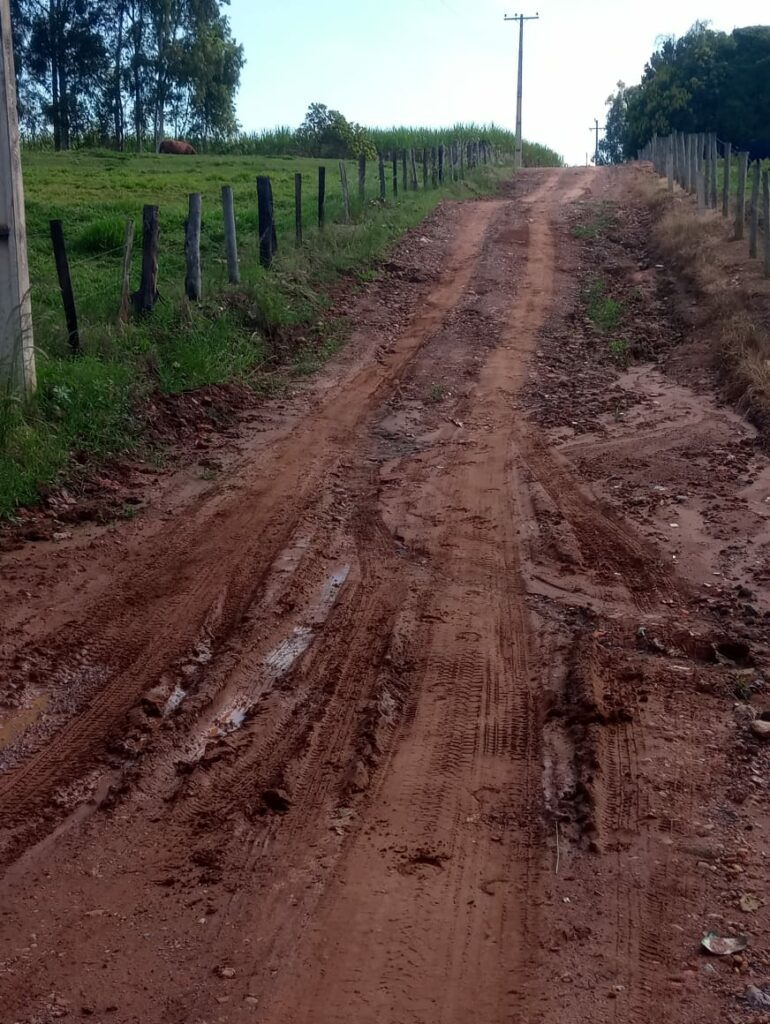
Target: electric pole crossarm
column 521, row 18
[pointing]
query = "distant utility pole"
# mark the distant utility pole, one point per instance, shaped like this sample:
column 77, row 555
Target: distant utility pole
column 17, row 353
column 521, row 18
column 597, row 129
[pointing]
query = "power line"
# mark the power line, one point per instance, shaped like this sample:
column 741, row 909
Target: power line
column 521, row 18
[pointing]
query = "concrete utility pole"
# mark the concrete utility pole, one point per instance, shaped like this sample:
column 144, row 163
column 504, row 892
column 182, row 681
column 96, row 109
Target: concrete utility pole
column 17, row 353
column 521, row 18
column 597, row 129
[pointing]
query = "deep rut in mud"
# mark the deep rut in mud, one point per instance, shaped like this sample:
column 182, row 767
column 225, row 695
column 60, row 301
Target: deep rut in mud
column 376, row 729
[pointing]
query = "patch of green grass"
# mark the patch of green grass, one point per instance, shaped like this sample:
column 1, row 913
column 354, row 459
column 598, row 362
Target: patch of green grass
column 105, row 235
column 89, row 407
column 603, row 311
column 437, row 393
column 82, row 409
column 311, row 358
column 599, row 218
column 619, row 350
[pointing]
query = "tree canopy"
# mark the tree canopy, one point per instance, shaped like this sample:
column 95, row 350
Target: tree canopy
column 106, row 70
column 326, row 132
column 704, row 81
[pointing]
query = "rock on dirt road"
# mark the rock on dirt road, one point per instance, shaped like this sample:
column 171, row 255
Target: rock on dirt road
column 436, row 704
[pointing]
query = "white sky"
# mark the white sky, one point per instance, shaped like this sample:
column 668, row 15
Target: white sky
column 433, row 62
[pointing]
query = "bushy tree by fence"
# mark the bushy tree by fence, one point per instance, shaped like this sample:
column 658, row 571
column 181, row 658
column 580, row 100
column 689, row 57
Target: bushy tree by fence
column 703, row 81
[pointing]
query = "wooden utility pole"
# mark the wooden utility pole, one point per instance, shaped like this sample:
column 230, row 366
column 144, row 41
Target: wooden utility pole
column 521, row 18
column 17, row 351
column 597, row 129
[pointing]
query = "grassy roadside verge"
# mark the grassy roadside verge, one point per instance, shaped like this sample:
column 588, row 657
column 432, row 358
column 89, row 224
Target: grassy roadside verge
column 99, row 404
column 725, row 297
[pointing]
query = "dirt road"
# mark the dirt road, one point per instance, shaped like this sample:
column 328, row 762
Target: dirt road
column 416, row 713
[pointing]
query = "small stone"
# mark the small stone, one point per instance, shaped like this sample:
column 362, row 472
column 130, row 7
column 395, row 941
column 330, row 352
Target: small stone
column 757, row 998
column 225, row 972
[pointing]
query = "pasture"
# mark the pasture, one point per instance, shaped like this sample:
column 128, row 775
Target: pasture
column 93, row 405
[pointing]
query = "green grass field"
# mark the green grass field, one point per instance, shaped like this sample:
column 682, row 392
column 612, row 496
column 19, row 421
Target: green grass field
column 92, row 405
column 94, row 194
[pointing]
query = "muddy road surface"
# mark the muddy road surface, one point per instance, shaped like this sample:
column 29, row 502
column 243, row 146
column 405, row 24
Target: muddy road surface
column 426, row 709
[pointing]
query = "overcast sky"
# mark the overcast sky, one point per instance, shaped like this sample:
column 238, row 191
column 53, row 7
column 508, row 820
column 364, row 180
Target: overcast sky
column 434, row 62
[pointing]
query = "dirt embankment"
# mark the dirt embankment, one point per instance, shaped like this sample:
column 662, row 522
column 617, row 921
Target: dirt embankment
column 436, row 704
column 720, row 295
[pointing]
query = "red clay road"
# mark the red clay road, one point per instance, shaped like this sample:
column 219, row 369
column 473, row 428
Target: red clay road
column 363, row 731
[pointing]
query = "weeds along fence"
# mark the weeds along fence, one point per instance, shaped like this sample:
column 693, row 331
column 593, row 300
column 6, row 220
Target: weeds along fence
column 720, row 178
column 378, row 182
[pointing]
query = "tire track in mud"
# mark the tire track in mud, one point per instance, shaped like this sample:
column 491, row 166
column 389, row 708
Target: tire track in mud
column 450, row 869
column 372, row 840
column 158, row 609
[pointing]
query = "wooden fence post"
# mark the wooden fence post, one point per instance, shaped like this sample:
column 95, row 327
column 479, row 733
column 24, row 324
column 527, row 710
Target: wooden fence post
column 441, row 158
column 147, row 296
column 17, row 349
column 383, row 186
column 726, row 180
column 461, row 150
column 125, row 276
column 362, row 179
column 670, row 164
column 766, row 218
column 714, row 197
column 395, row 174
column 434, row 167
column 192, row 248
column 675, row 150
column 691, row 162
column 404, row 172
column 425, row 153
column 700, row 188
column 321, row 197
column 268, row 244
column 740, row 212
column 756, row 181
column 65, row 285
column 298, row 208
column 413, row 168
column 231, row 238
column 345, row 191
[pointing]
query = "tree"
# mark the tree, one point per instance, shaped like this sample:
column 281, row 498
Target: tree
column 326, row 132
column 210, row 70
column 64, row 58
column 611, row 149
column 88, row 68
column 704, row 81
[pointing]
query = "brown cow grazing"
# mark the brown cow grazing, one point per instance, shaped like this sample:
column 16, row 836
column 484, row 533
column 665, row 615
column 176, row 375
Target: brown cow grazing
column 177, row 147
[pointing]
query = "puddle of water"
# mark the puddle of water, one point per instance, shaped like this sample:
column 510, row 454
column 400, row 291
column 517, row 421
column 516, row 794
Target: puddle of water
column 175, row 699
column 230, row 723
column 20, row 720
column 329, row 594
column 279, row 661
